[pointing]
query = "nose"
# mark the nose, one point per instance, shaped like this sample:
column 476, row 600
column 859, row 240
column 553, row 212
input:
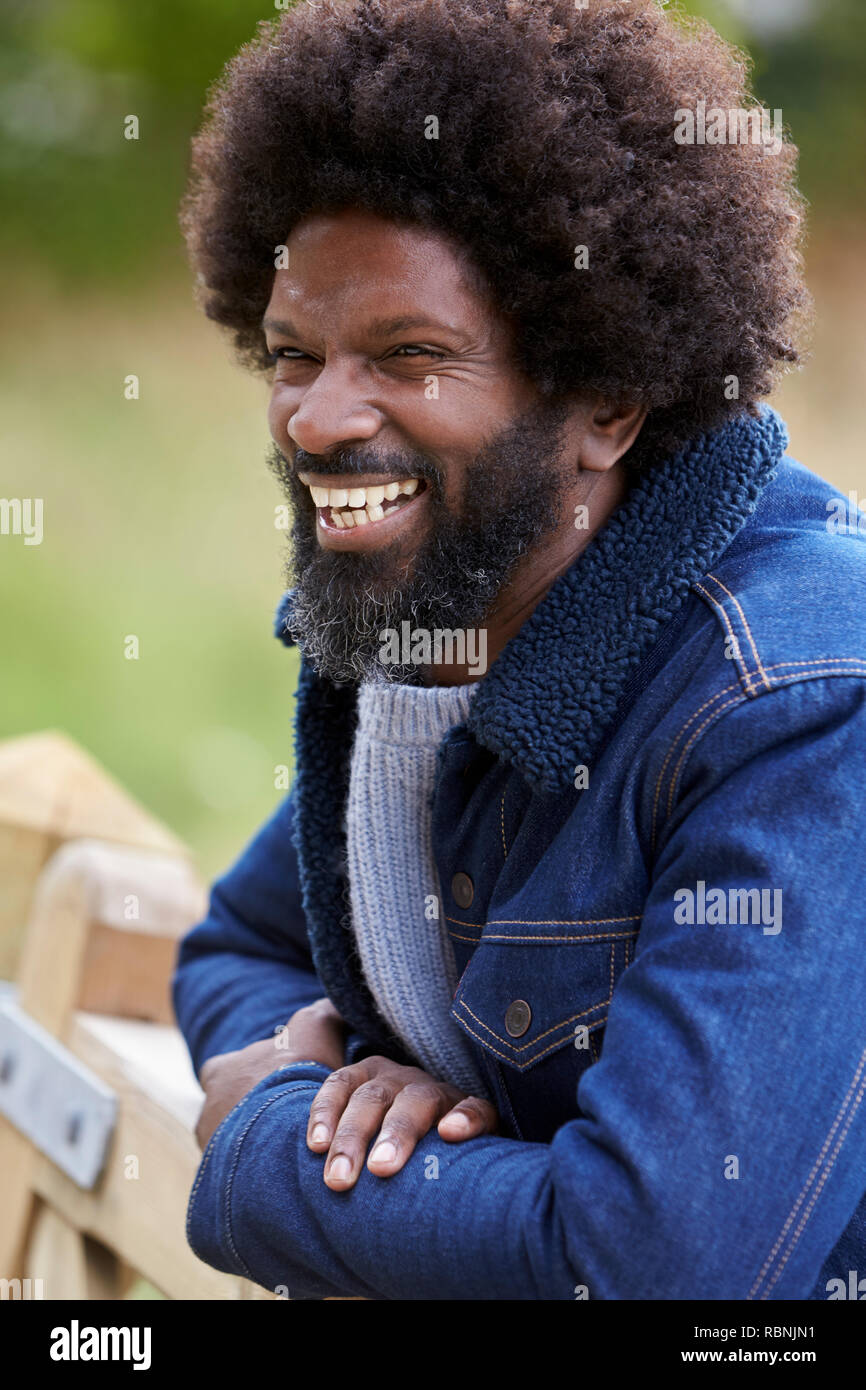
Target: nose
column 330, row 414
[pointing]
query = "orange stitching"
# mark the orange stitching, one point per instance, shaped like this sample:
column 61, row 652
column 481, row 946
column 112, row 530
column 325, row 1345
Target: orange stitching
column 566, row 922
column 745, row 623
column 520, row 1066
column 712, row 700
column 541, row 1036
column 813, row 675
column 603, row 936
column 502, row 825
column 489, row 1046
column 811, row 1178
column 778, row 686
column 815, row 1195
column 816, row 661
column 739, row 700
column 775, row 666
column 741, row 665
column 736, row 601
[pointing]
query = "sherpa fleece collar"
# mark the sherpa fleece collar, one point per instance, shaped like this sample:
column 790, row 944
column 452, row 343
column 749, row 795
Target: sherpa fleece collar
column 551, row 695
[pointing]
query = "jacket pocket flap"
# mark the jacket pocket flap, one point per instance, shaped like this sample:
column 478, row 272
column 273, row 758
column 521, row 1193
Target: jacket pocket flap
column 525, row 997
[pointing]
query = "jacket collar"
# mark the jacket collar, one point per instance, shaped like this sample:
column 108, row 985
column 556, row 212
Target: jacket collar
column 552, row 694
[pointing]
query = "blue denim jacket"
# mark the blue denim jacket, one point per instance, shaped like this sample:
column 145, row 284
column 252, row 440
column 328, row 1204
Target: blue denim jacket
column 657, row 799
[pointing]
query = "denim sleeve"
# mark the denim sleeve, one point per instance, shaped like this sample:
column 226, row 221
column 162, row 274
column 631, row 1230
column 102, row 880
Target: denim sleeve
column 247, row 967
column 720, row 1148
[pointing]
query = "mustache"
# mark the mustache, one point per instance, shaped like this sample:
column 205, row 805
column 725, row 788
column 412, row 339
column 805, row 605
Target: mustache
column 399, row 463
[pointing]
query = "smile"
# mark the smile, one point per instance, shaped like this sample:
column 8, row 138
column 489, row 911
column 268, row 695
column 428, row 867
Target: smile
column 371, row 506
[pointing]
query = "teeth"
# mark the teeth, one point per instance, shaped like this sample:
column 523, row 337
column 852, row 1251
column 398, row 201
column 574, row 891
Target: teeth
column 358, row 506
column 356, row 498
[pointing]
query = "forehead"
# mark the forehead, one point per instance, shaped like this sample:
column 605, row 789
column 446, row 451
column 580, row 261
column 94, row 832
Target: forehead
column 357, row 262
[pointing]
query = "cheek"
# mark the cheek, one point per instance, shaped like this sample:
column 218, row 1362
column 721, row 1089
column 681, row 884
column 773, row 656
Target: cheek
column 280, row 411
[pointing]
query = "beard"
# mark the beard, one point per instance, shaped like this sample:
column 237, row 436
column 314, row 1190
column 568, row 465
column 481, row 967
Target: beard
column 343, row 601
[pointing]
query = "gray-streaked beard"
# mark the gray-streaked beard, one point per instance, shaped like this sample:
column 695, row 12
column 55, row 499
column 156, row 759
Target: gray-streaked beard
column 343, row 601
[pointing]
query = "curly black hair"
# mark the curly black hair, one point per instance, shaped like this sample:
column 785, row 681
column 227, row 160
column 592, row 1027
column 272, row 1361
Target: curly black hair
column 555, row 131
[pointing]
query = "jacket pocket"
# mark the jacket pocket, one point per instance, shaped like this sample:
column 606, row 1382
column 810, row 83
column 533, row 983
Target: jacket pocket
column 535, row 999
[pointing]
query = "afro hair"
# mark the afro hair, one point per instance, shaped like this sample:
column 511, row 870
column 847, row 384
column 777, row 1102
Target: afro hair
column 555, row 132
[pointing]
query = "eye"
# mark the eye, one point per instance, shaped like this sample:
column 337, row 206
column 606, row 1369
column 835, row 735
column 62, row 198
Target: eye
column 287, row 354
column 415, row 348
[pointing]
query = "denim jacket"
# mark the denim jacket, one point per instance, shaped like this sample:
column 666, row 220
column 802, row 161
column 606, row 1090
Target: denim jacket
column 650, row 840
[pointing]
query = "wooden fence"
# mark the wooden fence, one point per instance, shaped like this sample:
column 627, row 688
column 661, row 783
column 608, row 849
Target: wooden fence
column 94, row 894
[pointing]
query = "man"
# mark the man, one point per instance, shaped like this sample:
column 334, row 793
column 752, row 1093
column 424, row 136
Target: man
column 546, row 980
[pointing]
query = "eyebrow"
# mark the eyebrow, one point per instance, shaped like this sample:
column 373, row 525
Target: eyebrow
column 380, row 327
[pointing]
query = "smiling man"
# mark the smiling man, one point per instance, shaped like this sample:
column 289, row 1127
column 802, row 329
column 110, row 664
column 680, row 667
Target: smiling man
column 544, row 981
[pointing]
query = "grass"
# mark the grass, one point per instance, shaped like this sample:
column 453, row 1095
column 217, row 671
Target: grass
column 158, row 523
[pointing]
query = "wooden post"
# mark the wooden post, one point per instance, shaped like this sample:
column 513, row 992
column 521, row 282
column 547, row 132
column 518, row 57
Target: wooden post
column 100, row 943
column 84, row 893
column 51, row 791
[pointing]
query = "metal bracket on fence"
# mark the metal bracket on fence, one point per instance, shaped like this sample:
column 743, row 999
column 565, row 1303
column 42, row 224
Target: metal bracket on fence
column 52, row 1098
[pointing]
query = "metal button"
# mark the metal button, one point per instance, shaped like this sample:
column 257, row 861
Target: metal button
column 462, row 890
column 518, row 1017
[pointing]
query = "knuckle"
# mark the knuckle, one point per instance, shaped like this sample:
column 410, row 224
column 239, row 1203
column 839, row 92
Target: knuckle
column 347, row 1136
column 399, row 1125
column 475, row 1107
column 339, row 1080
column 371, row 1067
column 374, row 1093
column 321, row 1106
column 424, row 1093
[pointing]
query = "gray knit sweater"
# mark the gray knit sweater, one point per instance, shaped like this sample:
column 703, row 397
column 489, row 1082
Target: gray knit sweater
column 397, row 911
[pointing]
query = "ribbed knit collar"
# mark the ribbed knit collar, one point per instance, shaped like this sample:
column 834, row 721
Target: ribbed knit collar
column 552, row 693
column 417, row 715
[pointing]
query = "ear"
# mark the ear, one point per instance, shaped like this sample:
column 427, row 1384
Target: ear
column 609, row 432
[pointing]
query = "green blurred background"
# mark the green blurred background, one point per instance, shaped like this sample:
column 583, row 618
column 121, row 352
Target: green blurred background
column 159, row 513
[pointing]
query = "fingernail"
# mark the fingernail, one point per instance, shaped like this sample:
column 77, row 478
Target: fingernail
column 340, row 1169
column 458, row 1121
column 385, row 1152
column 320, row 1134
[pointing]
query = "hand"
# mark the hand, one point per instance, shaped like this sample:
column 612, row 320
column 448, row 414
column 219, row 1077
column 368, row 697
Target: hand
column 313, row 1034
column 399, row 1105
